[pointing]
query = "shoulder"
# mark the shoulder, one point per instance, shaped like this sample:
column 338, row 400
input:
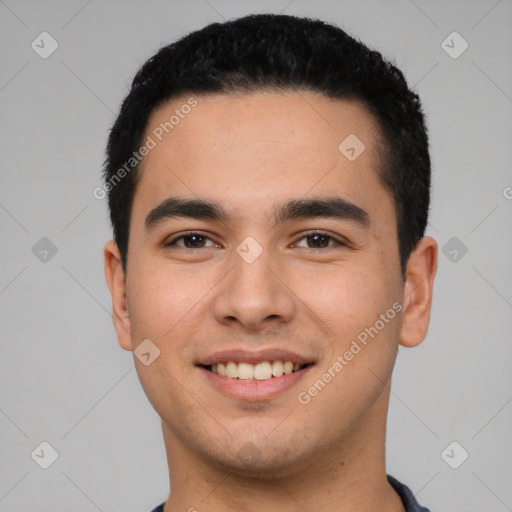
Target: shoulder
column 406, row 495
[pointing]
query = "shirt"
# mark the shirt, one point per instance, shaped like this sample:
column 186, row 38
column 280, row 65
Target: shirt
column 406, row 495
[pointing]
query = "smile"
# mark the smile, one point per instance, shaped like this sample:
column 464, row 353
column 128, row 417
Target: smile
column 264, row 370
column 255, row 374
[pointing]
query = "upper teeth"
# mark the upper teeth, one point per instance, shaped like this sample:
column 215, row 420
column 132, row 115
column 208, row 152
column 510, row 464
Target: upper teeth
column 260, row 371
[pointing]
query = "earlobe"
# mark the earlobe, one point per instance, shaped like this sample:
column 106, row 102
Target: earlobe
column 116, row 280
column 417, row 294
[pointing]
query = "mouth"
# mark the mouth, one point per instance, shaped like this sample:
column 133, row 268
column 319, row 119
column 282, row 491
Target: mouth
column 261, row 371
column 253, row 375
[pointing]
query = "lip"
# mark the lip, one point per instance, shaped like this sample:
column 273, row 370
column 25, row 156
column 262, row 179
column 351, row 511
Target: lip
column 254, row 357
column 254, row 390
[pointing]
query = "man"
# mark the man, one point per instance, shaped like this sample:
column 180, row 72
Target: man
column 268, row 184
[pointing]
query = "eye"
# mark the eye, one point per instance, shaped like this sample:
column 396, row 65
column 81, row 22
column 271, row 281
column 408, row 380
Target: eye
column 314, row 240
column 191, row 240
column 320, row 240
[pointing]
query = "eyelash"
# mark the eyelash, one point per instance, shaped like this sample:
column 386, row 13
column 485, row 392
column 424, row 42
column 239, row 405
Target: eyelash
column 337, row 241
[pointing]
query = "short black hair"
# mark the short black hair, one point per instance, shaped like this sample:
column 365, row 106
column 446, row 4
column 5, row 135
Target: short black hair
column 267, row 52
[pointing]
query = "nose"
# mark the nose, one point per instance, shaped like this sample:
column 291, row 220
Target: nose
column 253, row 295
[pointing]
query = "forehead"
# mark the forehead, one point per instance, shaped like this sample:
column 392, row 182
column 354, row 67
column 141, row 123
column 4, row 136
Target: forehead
column 255, row 149
column 305, row 119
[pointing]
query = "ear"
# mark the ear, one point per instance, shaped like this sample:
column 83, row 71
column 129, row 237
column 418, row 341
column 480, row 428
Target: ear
column 417, row 295
column 116, row 281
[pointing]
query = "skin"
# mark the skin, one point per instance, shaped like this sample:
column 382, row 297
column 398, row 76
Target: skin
column 249, row 152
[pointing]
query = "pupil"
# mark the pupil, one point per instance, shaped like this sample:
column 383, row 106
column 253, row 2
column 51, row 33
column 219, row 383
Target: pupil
column 194, row 237
column 316, row 239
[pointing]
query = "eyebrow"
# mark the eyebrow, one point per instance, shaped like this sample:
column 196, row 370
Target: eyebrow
column 200, row 209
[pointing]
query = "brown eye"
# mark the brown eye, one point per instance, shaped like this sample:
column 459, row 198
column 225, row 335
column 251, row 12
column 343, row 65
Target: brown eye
column 319, row 240
column 190, row 241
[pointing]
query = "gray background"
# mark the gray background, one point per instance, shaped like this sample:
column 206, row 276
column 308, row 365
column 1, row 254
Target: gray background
column 65, row 380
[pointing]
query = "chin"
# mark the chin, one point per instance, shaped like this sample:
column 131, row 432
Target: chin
column 265, row 463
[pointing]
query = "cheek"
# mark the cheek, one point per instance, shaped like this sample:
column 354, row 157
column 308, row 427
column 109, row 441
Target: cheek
column 166, row 298
column 355, row 308
column 346, row 298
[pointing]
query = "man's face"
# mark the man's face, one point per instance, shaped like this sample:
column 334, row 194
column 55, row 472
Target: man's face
column 214, row 297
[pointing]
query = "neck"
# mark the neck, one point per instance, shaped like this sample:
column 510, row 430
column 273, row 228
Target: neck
column 350, row 476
